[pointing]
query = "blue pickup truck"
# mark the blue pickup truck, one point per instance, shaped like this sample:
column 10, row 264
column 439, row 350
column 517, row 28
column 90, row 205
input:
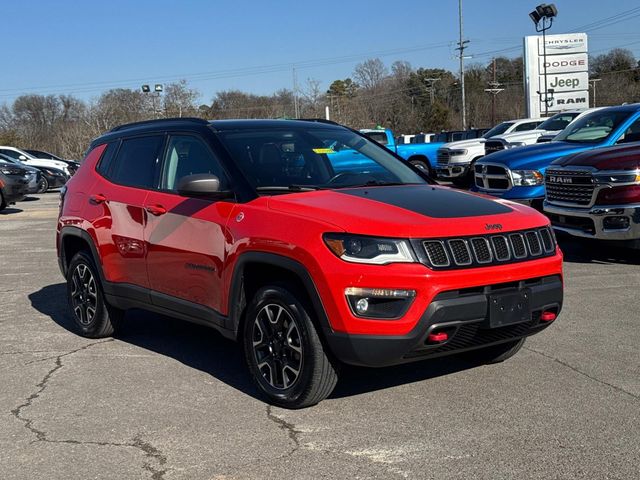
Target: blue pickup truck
column 518, row 173
column 421, row 155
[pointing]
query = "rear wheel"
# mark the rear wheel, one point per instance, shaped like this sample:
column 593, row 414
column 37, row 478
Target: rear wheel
column 283, row 350
column 495, row 353
column 92, row 316
column 424, row 166
column 3, row 204
column 43, row 185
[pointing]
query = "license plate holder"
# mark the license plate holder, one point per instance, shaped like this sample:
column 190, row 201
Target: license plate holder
column 509, row 308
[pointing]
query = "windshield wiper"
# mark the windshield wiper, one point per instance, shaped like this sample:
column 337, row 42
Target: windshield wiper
column 288, row 188
column 377, row 183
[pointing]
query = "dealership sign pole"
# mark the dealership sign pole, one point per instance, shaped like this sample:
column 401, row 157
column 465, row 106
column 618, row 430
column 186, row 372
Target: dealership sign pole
column 558, row 64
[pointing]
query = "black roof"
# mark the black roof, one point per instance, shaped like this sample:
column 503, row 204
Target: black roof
column 221, row 125
column 199, row 123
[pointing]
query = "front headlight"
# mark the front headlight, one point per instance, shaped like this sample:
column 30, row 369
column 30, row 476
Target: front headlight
column 617, row 178
column 527, row 178
column 362, row 249
column 515, row 144
column 462, row 151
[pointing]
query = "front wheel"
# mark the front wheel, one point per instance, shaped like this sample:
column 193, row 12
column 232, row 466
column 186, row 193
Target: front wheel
column 92, row 316
column 283, row 350
column 43, row 185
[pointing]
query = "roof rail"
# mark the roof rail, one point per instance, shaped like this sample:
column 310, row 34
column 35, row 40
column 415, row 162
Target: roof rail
column 159, row 120
column 318, row 120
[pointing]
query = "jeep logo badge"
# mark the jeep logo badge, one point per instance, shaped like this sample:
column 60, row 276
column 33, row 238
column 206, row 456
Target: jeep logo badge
column 493, row 226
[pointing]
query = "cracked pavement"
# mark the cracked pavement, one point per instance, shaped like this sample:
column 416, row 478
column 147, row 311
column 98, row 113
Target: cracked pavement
column 169, row 400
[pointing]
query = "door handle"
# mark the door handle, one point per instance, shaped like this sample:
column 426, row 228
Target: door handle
column 156, row 210
column 97, row 198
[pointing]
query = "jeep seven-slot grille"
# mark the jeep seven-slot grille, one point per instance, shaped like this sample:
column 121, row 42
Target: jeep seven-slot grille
column 569, row 186
column 450, row 253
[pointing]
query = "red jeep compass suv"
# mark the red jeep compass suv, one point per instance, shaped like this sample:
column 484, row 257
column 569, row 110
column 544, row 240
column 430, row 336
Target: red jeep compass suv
column 305, row 241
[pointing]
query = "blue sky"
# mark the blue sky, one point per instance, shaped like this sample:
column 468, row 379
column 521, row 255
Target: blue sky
column 84, row 48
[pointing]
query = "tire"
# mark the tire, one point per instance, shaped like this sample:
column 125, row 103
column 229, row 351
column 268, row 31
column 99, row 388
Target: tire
column 92, row 316
column 496, row 353
column 421, row 165
column 43, row 185
column 279, row 340
column 3, row 204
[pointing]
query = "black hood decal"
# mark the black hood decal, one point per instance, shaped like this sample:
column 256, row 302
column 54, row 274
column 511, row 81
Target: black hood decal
column 431, row 201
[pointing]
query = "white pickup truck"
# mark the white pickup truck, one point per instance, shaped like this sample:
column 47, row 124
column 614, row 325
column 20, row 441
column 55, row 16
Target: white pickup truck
column 455, row 159
column 551, row 126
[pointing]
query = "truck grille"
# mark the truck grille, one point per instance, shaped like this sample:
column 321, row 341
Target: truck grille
column 486, row 250
column 443, row 157
column 569, row 186
column 491, row 146
column 492, row 177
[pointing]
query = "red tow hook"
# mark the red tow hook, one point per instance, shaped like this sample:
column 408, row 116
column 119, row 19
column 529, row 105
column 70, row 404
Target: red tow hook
column 548, row 316
column 437, row 337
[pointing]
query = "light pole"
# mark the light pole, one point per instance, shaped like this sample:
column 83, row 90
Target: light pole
column 157, row 90
column 546, row 13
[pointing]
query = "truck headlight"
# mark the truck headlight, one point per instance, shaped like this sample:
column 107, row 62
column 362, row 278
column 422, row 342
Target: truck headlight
column 461, row 151
column 373, row 250
column 527, row 178
column 617, row 178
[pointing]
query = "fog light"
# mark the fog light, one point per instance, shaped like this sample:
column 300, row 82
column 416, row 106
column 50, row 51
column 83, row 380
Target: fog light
column 548, row 316
column 382, row 303
column 615, row 223
column 362, row 306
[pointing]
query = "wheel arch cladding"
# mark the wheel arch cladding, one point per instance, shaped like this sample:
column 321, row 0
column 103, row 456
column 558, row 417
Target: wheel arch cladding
column 254, row 270
column 74, row 240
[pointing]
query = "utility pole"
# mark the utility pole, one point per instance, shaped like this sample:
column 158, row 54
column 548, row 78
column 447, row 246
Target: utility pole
column 462, row 44
column 494, row 89
column 593, row 83
column 430, row 87
column 295, row 93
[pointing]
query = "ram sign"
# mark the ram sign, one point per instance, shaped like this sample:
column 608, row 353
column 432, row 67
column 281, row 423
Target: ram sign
column 567, row 73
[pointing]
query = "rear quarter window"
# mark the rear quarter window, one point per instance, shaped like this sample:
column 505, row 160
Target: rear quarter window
column 136, row 163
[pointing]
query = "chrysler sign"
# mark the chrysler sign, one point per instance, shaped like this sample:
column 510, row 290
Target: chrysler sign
column 567, row 77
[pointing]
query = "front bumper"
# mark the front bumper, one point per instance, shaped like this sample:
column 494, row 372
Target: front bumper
column 14, row 192
column 452, row 170
column 590, row 222
column 463, row 314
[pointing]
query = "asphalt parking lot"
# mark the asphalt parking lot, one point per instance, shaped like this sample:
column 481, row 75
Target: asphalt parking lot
column 170, row 400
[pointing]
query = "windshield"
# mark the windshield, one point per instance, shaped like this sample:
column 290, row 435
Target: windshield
column 593, row 127
column 558, row 121
column 302, row 158
column 380, row 137
column 498, row 129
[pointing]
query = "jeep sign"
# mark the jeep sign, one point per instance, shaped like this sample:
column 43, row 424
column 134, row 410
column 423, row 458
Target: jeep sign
column 567, row 82
column 567, row 77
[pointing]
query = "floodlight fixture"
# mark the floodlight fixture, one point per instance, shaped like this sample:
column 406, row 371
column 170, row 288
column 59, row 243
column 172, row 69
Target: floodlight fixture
column 146, row 89
column 158, row 87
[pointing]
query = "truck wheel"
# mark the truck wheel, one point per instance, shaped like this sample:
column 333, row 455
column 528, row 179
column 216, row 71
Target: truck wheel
column 423, row 166
column 283, row 350
column 494, row 354
column 93, row 317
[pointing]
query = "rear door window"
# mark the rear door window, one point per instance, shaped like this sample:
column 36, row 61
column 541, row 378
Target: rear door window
column 136, row 164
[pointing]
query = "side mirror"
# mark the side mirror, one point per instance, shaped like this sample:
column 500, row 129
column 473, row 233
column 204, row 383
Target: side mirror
column 202, row 185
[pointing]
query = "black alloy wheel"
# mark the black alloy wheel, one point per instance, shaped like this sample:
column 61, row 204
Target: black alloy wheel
column 277, row 346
